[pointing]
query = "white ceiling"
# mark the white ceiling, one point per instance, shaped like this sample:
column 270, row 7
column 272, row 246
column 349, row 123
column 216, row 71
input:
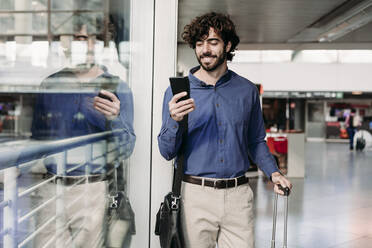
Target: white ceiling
column 276, row 21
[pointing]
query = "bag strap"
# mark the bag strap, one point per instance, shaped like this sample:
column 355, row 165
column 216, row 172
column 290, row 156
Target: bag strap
column 178, row 173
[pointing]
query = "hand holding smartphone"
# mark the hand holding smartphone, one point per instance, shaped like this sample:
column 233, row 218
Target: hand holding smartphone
column 110, row 108
column 178, row 110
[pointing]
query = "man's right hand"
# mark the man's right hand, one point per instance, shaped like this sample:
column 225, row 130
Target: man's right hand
column 178, row 110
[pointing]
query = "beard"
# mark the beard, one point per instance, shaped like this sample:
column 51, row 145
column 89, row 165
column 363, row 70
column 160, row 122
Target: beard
column 212, row 66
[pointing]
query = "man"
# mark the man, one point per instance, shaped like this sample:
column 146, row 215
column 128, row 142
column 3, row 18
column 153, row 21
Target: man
column 225, row 127
column 352, row 122
column 75, row 113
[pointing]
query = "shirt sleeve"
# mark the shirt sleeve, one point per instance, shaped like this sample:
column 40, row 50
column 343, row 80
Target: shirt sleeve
column 170, row 136
column 256, row 141
column 125, row 119
column 347, row 121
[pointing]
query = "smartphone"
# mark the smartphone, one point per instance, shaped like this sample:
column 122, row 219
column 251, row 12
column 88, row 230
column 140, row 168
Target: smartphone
column 180, row 84
column 104, row 97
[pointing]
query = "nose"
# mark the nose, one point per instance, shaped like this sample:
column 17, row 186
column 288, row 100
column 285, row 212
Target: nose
column 206, row 48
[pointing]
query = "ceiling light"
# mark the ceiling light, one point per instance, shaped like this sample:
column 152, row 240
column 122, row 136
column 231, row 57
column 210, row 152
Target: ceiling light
column 347, row 17
column 351, row 20
column 357, row 93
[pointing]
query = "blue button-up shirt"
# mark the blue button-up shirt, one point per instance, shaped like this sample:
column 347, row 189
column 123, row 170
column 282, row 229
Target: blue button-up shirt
column 226, row 125
column 70, row 114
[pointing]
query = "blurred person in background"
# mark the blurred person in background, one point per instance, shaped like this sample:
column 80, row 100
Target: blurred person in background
column 352, row 122
column 69, row 106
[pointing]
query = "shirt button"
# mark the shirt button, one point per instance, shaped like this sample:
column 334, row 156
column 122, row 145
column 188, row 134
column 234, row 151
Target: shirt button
column 217, row 105
column 221, row 160
column 221, row 141
column 175, row 126
column 219, row 123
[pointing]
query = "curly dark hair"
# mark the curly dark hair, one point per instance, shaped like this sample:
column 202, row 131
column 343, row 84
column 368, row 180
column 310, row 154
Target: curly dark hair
column 222, row 25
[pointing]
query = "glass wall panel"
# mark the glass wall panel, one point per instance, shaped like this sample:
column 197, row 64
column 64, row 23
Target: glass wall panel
column 66, row 124
column 79, row 5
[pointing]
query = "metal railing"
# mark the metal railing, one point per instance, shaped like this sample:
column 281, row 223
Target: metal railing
column 24, row 157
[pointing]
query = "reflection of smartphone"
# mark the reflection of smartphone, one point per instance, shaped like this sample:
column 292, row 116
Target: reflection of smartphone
column 180, row 84
column 104, row 97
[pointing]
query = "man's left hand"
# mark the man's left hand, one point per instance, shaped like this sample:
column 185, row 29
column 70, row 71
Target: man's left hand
column 277, row 179
column 110, row 109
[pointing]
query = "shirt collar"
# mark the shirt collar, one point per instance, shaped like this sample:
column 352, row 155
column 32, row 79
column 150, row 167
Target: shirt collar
column 197, row 82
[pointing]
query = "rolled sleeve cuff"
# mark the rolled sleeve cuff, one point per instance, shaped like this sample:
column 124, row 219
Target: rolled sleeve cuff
column 116, row 124
column 173, row 126
column 269, row 168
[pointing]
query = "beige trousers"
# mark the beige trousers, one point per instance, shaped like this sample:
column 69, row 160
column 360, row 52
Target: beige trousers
column 217, row 216
column 81, row 215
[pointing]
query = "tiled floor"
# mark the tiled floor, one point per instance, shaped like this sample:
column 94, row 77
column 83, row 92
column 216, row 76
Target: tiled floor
column 330, row 208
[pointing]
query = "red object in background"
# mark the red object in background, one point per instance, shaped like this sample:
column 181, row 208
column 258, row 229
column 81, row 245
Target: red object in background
column 270, row 144
column 343, row 134
column 281, row 145
column 333, row 124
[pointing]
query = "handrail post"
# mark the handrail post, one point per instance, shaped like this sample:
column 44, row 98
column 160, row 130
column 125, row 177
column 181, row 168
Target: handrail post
column 60, row 222
column 88, row 170
column 10, row 211
column 105, row 150
column 88, row 159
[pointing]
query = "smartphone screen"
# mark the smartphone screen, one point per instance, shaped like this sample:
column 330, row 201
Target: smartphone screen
column 180, row 84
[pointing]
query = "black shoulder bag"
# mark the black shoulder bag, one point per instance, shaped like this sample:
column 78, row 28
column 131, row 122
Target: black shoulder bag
column 168, row 218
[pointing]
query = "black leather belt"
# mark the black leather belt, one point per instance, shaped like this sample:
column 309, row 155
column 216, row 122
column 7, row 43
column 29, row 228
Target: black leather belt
column 218, row 183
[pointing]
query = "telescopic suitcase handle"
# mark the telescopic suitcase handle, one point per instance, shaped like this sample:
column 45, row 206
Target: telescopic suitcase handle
column 286, row 191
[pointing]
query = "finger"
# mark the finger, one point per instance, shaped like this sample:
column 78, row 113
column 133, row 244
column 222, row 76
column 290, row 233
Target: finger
column 174, row 106
column 103, row 111
column 184, row 102
column 185, row 112
column 277, row 190
column 178, row 96
column 181, row 109
column 286, row 183
column 109, row 104
column 285, row 187
column 112, row 109
column 111, row 95
column 102, row 100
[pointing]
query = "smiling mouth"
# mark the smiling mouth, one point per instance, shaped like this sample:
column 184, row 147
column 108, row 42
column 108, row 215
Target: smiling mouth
column 208, row 57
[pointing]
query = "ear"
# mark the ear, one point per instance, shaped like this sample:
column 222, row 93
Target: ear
column 228, row 46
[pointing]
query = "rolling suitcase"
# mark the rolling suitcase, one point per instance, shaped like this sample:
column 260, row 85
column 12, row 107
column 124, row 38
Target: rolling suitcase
column 286, row 194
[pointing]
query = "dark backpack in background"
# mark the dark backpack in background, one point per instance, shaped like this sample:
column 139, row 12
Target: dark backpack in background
column 360, row 143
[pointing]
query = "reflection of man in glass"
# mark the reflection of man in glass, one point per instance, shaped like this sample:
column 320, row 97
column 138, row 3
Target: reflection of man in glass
column 68, row 107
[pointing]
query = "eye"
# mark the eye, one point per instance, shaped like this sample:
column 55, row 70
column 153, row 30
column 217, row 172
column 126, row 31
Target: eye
column 213, row 42
column 199, row 43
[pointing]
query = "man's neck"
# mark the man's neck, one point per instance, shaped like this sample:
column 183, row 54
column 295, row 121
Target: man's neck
column 89, row 75
column 211, row 77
